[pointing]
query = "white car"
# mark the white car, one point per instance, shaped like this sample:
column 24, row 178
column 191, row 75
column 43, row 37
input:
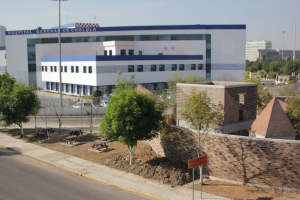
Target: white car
column 104, row 103
column 83, row 105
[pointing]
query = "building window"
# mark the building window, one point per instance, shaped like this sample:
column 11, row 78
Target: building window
column 105, row 52
column 174, row 67
column 241, row 106
column 131, row 52
column 200, row 67
column 72, row 69
column 123, row 52
column 110, row 52
column 130, row 68
column 161, row 68
column 140, row 53
column 139, row 68
column 45, row 68
column 193, row 66
column 66, row 68
column 181, row 67
column 153, row 68
column 77, row 69
column 42, row 68
column 55, row 69
column 90, row 69
column 51, row 68
column 84, row 69
column 160, row 54
column 61, row 68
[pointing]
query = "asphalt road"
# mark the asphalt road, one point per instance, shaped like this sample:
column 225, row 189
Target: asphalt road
column 22, row 177
column 66, row 122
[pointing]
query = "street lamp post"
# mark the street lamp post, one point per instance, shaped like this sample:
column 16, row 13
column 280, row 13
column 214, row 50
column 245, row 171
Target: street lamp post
column 59, row 52
column 282, row 44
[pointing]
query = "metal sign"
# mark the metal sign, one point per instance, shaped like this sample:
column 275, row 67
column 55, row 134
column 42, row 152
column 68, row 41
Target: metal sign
column 196, row 162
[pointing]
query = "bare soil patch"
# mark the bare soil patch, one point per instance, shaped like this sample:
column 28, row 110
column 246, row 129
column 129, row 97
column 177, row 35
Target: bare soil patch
column 149, row 165
column 235, row 191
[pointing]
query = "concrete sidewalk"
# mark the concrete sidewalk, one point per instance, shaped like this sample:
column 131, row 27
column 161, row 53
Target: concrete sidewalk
column 116, row 178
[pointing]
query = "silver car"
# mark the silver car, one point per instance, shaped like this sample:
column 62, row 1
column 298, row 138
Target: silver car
column 83, row 105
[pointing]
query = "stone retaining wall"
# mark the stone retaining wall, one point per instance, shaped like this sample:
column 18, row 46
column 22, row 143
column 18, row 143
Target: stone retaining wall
column 271, row 162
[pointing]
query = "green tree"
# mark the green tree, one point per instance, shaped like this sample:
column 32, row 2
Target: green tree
column 201, row 115
column 262, row 74
column 6, row 78
column 194, row 79
column 124, row 83
column 18, row 104
column 173, row 80
column 266, row 65
column 132, row 116
column 250, row 66
column 263, row 95
column 275, row 66
column 257, row 64
column 272, row 75
column 96, row 96
column 296, row 65
column 294, row 111
column 288, row 67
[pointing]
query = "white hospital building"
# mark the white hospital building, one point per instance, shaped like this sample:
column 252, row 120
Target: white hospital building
column 91, row 56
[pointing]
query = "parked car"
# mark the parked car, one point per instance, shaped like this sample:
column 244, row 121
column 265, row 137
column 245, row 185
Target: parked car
column 104, row 103
column 83, row 105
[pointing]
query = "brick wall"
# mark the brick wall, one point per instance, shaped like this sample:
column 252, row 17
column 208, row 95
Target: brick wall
column 215, row 94
column 231, row 106
column 227, row 97
column 250, row 160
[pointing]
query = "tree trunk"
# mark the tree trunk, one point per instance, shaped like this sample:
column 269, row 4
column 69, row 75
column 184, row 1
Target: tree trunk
column 59, row 124
column 132, row 151
column 35, row 124
column 22, row 131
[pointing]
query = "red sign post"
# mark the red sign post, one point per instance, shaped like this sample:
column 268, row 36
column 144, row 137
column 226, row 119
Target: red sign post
column 196, row 162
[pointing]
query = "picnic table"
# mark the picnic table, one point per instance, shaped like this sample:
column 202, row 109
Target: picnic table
column 76, row 132
column 71, row 139
column 41, row 135
column 49, row 129
column 99, row 145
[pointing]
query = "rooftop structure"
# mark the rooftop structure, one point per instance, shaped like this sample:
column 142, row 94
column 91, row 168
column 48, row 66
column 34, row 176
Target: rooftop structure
column 273, row 122
column 237, row 99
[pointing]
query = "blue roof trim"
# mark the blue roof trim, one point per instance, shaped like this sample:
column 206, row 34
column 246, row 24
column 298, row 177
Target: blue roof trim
column 128, row 28
column 2, row 48
column 64, row 26
column 121, row 58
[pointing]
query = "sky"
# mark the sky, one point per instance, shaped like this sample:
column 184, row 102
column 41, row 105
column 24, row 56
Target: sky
column 264, row 19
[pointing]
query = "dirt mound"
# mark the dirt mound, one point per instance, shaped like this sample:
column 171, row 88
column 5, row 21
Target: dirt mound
column 149, row 165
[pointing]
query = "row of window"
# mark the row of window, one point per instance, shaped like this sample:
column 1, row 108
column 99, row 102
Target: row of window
column 153, row 68
column 65, row 69
column 122, row 52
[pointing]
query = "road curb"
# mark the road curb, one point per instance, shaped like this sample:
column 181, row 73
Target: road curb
column 89, row 176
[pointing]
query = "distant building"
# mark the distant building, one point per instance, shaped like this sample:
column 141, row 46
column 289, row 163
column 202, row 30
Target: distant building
column 257, row 44
column 2, row 50
column 2, row 36
column 273, row 122
column 272, row 54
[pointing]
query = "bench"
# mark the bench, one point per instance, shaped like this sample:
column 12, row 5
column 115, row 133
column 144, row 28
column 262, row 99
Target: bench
column 41, row 135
